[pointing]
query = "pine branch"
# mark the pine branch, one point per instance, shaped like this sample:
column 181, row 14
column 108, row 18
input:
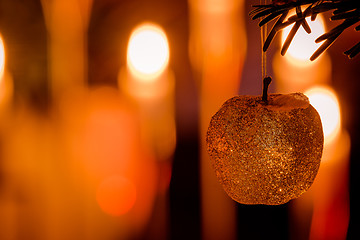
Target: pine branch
column 347, row 11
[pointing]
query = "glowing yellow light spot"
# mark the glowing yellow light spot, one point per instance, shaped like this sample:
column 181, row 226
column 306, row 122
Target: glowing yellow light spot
column 324, row 100
column 303, row 44
column 2, row 58
column 116, row 195
column 148, row 52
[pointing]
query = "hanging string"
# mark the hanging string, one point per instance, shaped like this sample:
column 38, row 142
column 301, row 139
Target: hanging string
column 266, row 80
column 263, row 34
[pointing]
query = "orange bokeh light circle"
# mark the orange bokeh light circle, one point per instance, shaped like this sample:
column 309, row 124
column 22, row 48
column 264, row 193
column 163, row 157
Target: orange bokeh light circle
column 116, row 195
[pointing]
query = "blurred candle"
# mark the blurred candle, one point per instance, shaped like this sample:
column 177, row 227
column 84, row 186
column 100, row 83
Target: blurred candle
column 67, row 24
column 6, row 83
column 150, row 83
column 217, row 47
column 8, row 208
column 323, row 211
column 295, row 72
column 330, row 190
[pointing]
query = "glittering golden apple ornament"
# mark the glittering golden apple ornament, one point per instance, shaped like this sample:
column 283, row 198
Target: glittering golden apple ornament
column 266, row 150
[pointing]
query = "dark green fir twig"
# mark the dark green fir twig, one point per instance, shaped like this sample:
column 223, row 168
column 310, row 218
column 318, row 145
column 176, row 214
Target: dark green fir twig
column 346, row 11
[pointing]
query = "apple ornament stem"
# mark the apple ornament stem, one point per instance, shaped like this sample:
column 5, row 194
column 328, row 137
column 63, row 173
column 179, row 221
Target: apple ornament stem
column 266, row 150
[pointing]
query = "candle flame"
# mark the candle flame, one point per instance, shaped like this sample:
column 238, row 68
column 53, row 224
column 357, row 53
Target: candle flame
column 148, row 52
column 303, row 44
column 324, row 100
column 2, row 57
